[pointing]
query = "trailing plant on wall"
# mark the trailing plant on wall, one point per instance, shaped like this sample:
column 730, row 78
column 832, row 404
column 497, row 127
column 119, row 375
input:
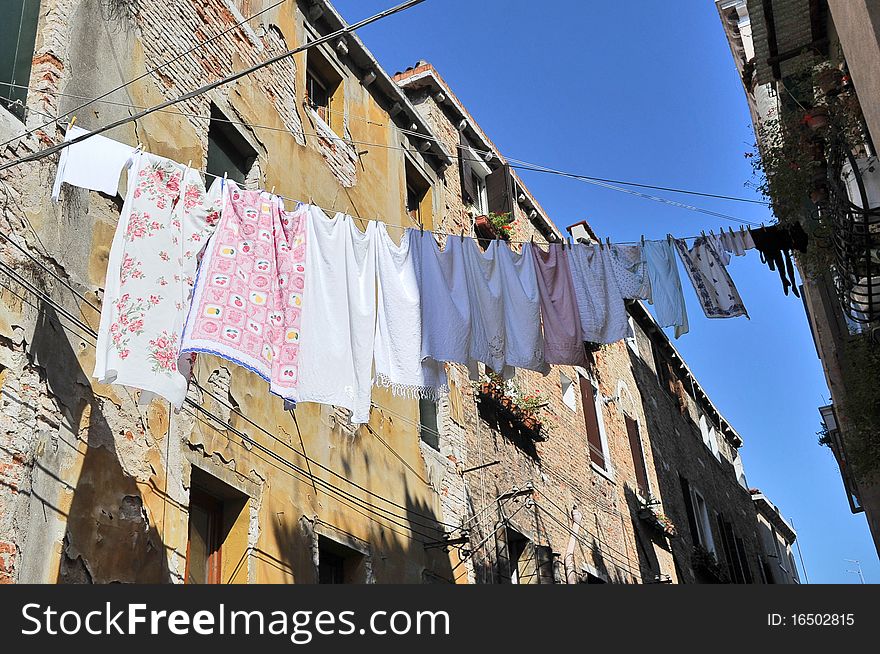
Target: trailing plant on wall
column 861, row 403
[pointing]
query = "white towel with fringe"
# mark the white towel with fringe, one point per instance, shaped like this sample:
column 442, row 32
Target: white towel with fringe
column 397, row 349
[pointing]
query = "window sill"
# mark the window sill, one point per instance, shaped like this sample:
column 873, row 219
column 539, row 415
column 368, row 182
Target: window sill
column 609, row 475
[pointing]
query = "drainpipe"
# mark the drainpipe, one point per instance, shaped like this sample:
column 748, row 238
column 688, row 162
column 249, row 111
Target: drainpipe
column 571, row 576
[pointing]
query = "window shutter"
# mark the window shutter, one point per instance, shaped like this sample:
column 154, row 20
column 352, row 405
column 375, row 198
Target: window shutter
column 591, row 422
column 745, row 570
column 689, row 505
column 638, row 455
column 544, row 557
column 728, row 545
column 499, row 190
column 469, row 193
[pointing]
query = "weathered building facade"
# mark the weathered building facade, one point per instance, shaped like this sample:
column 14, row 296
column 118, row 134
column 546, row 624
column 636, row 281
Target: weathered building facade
column 809, row 73
column 634, row 477
column 634, row 450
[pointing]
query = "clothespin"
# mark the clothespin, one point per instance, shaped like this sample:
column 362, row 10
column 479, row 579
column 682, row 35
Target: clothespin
column 643, row 240
column 189, row 164
column 272, row 192
column 224, row 182
column 71, row 123
column 608, row 242
column 533, row 239
column 311, row 201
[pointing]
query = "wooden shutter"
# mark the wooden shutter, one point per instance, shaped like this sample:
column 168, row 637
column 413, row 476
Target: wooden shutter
column 728, row 545
column 499, row 190
column 469, row 193
column 638, row 455
column 591, row 422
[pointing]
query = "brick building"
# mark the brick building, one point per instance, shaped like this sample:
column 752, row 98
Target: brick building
column 237, row 489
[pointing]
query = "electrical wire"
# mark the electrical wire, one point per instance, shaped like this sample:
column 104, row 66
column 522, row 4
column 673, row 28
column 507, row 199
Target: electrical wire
column 212, row 85
column 517, row 164
column 142, row 76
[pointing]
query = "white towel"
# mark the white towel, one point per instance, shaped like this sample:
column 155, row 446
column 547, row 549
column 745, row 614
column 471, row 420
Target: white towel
column 715, row 289
column 599, row 299
column 446, row 320
column 339, row 314
column 95, row 163
column 398, row 343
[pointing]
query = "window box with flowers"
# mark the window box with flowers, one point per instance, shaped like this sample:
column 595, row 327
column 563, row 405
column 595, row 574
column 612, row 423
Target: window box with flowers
column 494, row 226
column 512, row 404
column 649, row 511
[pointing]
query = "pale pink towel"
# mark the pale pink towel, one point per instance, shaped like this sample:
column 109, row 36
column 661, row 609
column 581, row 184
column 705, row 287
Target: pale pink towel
column 562, row 325
column 249, row 292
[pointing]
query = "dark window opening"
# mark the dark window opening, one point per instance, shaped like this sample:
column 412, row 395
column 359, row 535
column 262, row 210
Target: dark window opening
column 428, row 429
column 18, row 34
column 322, row 84
column 591, row 422
column 518, row 559
column 229, row 153
column 417, row 190
column 214, row 508
column 339, row 564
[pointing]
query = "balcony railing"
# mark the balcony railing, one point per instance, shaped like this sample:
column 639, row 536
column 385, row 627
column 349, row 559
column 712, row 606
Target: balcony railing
column 854, row 212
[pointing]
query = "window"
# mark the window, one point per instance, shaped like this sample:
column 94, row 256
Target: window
column 568, row 391
column 324, row 90
column 218, row 526
column 661, row 367
column 638, row 456
column 203, row 550
column 739, row 471
column 229, row 152
column 479, row 186
column 339, row 564
column 18, row 33
column 701, row 518
column 598, row 446
column 522, row 562
column 419, row 203
column 428, row 431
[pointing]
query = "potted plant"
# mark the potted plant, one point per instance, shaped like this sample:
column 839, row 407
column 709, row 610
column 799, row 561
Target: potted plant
column 816, row 118
column 494, row 225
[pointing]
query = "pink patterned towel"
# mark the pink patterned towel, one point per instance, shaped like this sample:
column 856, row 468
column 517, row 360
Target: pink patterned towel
column 249, row 291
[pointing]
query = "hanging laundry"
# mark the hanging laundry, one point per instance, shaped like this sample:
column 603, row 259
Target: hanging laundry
column 715, row 289
column 398, row 344
column 563, row 333
column 720, row 245
column 666, row 292
column 248, row 296
column 775, row 244
column 504, row 309
column 737, row 243
column 95, row 163
column 446, row 312
column 165, row 222
column 339, row 314
column 603, row 316
column 631, row 271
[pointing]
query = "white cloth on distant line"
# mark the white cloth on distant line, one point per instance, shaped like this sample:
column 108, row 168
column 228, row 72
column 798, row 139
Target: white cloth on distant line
column 397, row 348
column 165, row 222
column 445, row 306
column 505, row 309
column 666, row 293
column 631, row 271
column 599, row 298
column 338, row 314
column 95, row 163
column 715, row 289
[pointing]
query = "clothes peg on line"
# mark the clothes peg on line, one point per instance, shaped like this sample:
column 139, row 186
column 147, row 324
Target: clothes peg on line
column 608, row 242
column 643, row 240
column 272, row 192
column 461, row 236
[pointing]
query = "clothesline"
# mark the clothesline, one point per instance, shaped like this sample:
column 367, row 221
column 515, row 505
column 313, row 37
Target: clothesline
column 250, row 293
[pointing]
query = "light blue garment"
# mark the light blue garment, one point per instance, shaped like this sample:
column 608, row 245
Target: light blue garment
column 668, row 299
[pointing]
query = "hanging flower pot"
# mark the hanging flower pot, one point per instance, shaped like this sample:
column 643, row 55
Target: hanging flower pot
column 816, row 118
column 484, row 228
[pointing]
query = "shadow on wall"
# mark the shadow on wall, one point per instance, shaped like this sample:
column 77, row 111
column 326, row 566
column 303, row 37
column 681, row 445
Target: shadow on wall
column 646, row 537
column 670, row 489
column 311, row 550
column 108, row 537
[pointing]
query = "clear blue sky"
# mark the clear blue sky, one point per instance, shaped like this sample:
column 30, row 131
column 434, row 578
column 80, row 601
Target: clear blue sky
column 631, row 91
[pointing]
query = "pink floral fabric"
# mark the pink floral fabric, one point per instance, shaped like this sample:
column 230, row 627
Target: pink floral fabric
column 249, row 293
column 165, row 222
